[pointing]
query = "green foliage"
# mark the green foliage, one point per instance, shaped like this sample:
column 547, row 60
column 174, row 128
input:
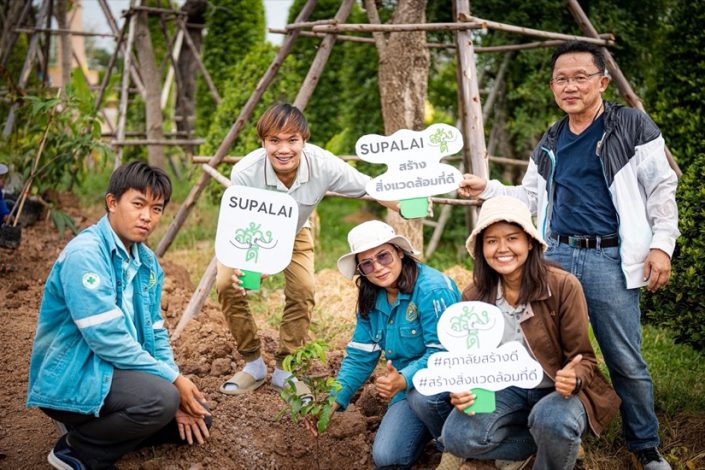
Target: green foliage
column 72, row 130
column 233, row 29
column 62, row 221
column 320, row 409
column 681, row 303
column 679, row 109
column 345, row 104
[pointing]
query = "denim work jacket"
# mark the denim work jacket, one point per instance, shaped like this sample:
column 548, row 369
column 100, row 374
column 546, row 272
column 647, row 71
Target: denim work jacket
column 83, row 334
column 405, row 331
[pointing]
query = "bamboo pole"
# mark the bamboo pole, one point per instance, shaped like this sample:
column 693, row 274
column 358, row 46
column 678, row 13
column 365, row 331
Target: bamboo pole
column 474, row 148
column 111, row 65
column 234, row 132
column 26, row 67
column 131, row 22
column 197, row 58
column 531, row 32
column 59, row 31
column 623, row 85
column 47, row 45
column 127, row 143
column 319, row 62
column 439, row 45
column 161, row 11
column 134, row 73
column 395, row 28
column 198, row 298
column 348, row 158
column 308, row 24
column 12, row 39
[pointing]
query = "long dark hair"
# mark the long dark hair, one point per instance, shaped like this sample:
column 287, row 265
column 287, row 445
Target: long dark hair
column 534, row 279
column 367, row 292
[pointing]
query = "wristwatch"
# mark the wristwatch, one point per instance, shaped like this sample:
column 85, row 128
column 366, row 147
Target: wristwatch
column 578, row 385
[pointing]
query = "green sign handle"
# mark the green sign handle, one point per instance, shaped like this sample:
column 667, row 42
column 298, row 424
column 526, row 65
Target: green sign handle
column 250, row 279
column 415, row 208
column 484, row 401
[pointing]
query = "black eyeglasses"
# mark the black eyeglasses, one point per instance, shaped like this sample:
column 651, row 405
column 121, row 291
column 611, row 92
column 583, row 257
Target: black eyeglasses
column 367, row 266
column 580, row 79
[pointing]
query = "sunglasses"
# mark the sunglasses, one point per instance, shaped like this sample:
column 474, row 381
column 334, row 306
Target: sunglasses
column 367, row 266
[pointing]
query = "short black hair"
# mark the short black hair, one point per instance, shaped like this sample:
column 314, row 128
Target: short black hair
column 142, row 177
column 570, row 47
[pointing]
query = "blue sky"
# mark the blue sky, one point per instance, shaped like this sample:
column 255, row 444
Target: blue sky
column 93, row 19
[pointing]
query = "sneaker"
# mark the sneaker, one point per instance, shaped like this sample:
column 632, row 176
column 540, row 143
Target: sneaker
column 650, row 459
column 511, row 464
column 450, row 462
column 63, row 457
column 61, row 428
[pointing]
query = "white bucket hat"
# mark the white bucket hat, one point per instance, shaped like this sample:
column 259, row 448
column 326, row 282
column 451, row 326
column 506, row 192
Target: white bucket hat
column 503, row 209
column 369, row 235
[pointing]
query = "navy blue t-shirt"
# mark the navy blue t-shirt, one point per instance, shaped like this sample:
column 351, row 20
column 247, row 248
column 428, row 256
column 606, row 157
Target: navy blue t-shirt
column 582, row 203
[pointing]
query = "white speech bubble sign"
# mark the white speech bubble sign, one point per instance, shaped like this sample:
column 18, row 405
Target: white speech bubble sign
column 471, row 331
column 256, row 229
column 413, row 160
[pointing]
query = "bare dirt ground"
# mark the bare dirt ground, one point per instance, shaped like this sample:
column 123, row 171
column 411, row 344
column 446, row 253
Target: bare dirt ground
column 246, row 433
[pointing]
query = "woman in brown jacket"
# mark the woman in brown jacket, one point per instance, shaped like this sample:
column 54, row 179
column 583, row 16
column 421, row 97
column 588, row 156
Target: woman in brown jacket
column 544, row 308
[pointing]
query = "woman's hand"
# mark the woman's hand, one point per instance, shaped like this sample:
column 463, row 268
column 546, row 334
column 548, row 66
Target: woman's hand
column 462, row 400
column 390, row 384
column 190, row 427
column 566, row 379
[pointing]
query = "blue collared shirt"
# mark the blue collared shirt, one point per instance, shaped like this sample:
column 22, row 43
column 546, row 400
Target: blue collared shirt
column 83, row 331
column 405, row 331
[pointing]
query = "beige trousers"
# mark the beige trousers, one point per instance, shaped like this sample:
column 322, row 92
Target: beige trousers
column 299, row 302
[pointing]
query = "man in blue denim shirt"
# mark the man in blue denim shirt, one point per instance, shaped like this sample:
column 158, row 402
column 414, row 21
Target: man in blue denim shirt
column 101, row 363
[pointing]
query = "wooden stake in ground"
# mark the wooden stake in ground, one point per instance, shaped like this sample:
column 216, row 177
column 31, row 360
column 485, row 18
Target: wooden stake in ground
column 131, row 24
column 152, row 79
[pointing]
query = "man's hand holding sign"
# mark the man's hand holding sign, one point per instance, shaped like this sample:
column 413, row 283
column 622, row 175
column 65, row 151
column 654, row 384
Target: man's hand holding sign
column 256, row 232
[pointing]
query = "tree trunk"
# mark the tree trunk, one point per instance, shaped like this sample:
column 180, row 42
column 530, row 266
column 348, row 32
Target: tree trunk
column 62, row 11
column 152, row 85
column 188, row 67
column 403, row 77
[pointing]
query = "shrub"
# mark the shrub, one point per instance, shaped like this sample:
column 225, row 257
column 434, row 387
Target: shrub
column 680, row 304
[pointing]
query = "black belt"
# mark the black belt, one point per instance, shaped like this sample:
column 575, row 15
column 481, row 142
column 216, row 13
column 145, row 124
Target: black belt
column 582, row 241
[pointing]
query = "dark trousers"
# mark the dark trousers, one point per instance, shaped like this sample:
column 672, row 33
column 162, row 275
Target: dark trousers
column 138, row 411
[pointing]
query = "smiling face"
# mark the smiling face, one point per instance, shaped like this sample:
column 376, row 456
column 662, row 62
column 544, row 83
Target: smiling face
column 383, row 276
column 506, row 247
column 134, row 216
column 284, row 153
column 579, row 100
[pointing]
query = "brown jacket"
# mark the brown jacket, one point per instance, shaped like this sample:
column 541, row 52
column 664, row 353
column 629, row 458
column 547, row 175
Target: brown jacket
column 556, row 329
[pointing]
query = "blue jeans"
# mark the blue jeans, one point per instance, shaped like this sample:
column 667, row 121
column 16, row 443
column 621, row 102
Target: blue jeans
column 616, row 321
column 406, row 427
column 525, row 421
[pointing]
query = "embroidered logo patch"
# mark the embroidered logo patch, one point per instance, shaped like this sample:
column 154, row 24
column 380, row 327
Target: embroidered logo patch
column 91, row 281
column 152, row 279
column 412, row 313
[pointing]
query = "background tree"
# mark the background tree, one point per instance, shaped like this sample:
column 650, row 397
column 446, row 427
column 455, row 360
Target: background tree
column 233, row 29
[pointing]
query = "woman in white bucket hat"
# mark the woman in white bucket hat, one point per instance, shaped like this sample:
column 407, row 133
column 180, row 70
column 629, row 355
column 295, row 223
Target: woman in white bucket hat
column 543, row 308
column 398, row 306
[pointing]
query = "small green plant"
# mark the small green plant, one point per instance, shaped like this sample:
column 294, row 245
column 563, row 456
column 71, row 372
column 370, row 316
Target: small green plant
column 319, row 408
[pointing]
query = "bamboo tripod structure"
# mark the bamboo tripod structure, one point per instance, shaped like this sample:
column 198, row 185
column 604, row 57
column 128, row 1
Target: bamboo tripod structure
column 474, row 155
column 131, row 76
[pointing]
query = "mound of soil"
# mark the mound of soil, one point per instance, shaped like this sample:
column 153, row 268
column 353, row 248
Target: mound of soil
column 246, row 433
